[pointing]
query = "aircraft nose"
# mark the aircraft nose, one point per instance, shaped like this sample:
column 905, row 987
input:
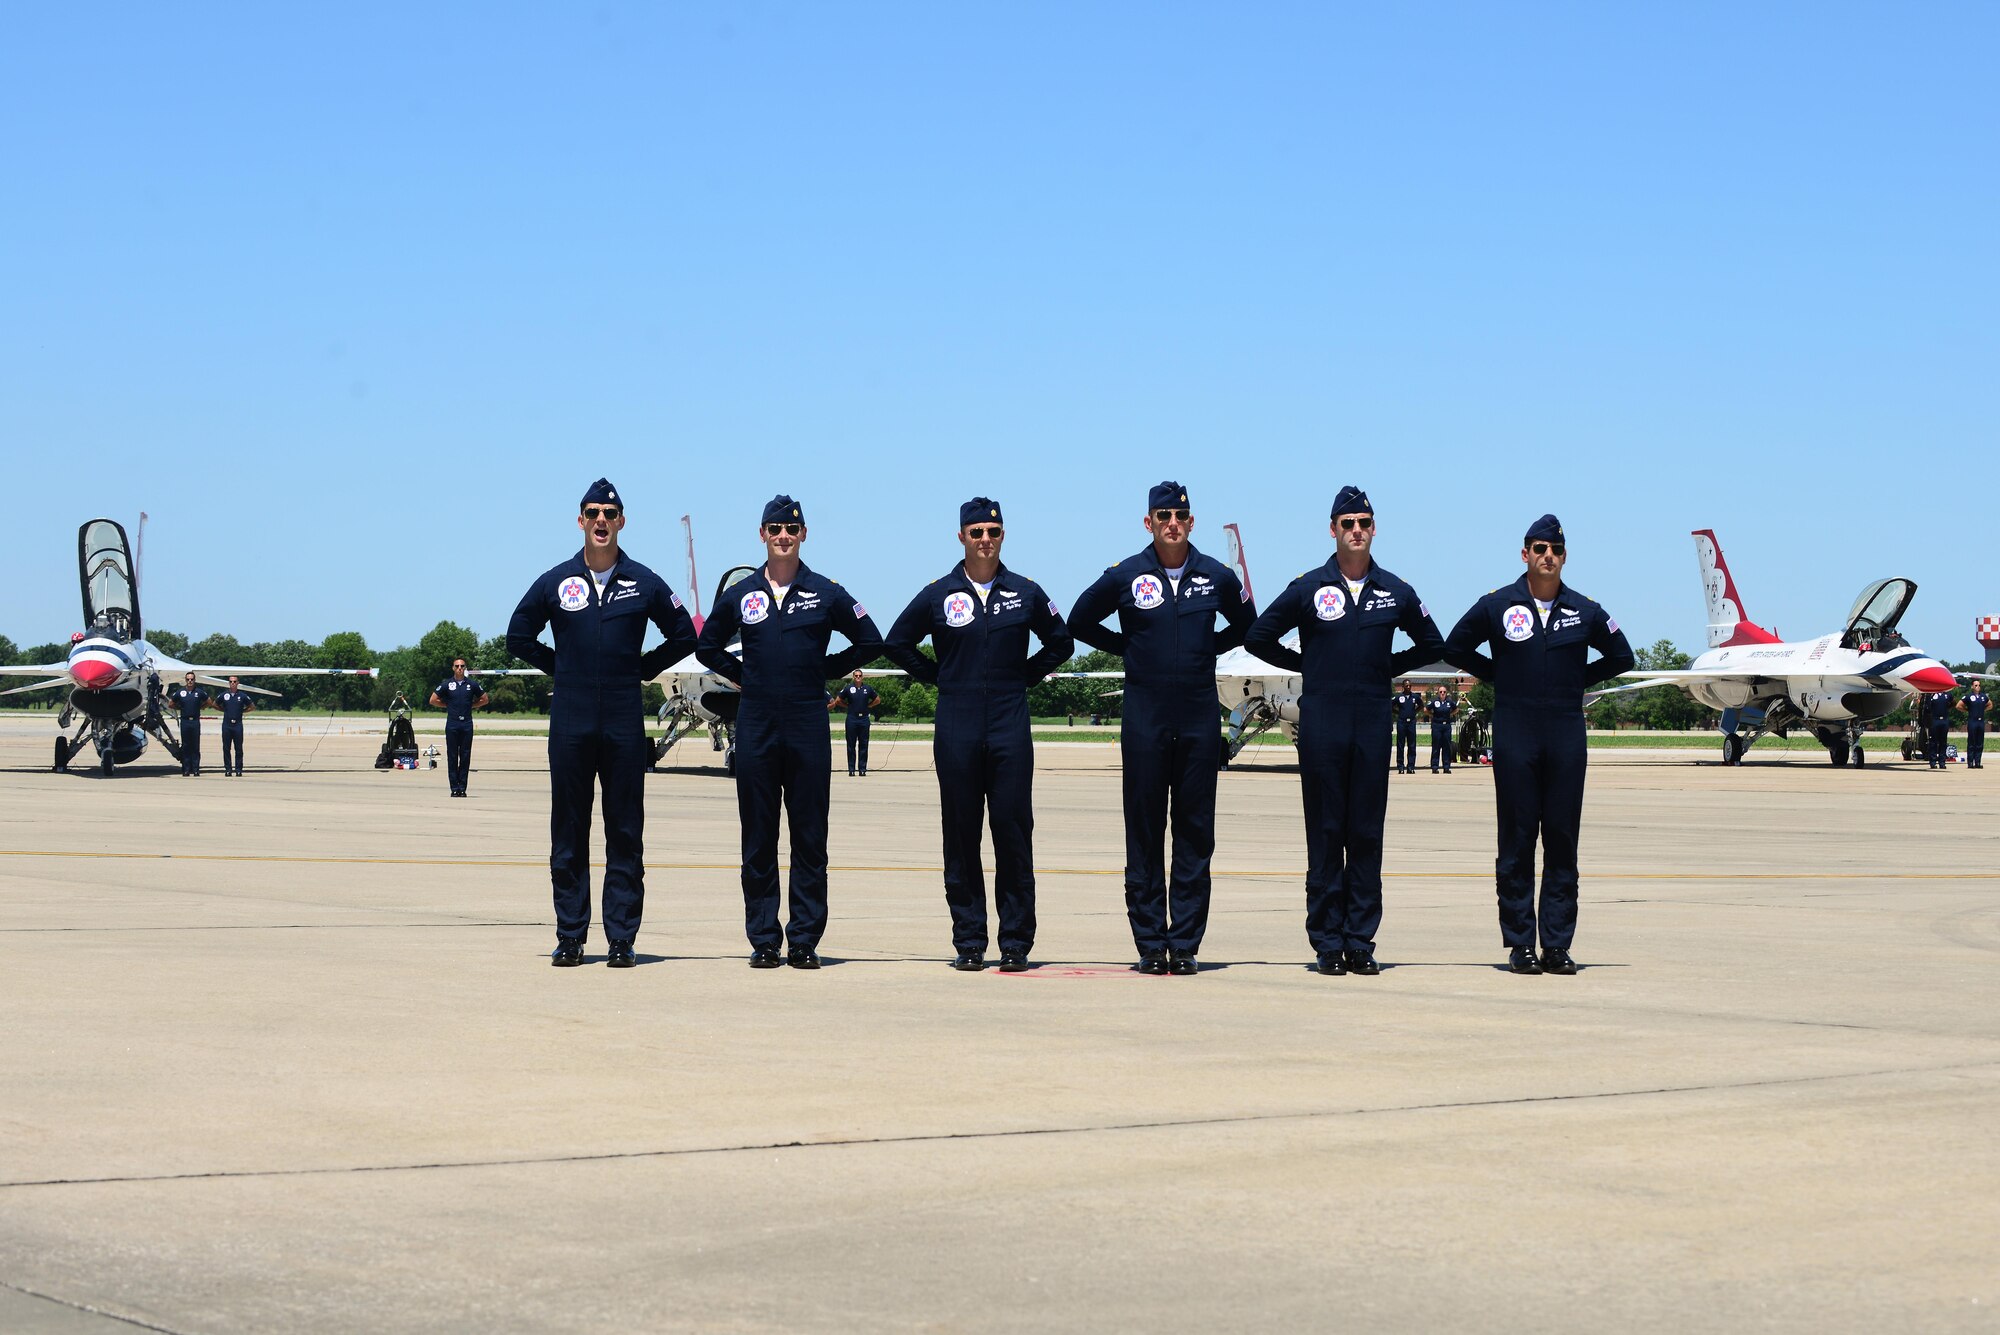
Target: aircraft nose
column 1932, row 680
column 93, row 674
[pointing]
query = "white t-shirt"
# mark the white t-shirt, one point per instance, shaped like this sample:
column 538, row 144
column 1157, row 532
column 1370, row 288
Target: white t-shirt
column 603, row 579
column 1542, row 608
column 981, row 589
column 1174, row 577
column 778, row 592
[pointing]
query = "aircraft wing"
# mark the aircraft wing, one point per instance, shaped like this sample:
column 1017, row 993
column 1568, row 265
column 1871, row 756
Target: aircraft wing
column 35, row 670
column 39, row 685
column 223, row 682
column 215, row 670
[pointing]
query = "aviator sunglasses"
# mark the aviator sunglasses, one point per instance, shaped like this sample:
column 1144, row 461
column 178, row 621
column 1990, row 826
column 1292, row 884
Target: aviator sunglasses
column 976, row 532
column 1544, row 548
column 600, row 512
column 790, row 530
column 1363, row 522
column 1162, row 516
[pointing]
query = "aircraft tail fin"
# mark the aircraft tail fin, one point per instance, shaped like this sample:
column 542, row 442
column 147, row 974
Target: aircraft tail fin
column 693, row 587
column 1727, row 624
column 1237, row 562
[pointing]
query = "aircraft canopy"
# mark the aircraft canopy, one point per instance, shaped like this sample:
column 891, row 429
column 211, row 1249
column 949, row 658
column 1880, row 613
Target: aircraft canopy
column 110, row 594
column 1878, row 609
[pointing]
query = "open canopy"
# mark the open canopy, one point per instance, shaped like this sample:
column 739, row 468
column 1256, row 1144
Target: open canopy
column 110, row 594
column 1877, row 610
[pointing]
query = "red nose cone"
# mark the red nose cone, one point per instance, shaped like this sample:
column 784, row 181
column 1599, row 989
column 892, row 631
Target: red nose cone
column 1932, row 680
column 93, row 674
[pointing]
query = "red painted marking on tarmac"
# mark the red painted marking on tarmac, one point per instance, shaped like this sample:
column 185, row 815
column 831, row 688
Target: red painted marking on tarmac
column 1045, row 971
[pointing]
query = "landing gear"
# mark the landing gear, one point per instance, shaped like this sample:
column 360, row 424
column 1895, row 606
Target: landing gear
column 105, row 764
column 1836, row 750
column 1732, row 749
column 62, row 755
column 1860, row 756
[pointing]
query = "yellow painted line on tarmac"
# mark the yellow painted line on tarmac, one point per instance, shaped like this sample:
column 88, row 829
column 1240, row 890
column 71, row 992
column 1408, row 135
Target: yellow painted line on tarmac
column 1040, row 871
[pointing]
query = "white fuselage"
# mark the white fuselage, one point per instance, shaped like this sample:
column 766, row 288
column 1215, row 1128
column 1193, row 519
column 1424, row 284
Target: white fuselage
column 1822, row 681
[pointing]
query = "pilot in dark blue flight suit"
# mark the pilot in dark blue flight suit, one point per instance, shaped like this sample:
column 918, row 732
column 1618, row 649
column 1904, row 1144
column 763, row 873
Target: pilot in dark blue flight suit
column 190, row 699
column 458, row 697
column 1167, row 597
column 1442, row 707
column 786, row 614
column 1406, row 702
column 1347, row 614
column 1541, row 632
column 1974, row 705
column 233, row 703
column 1937, row 729
column 597, row 604
column 978, row 618
column 857, row 698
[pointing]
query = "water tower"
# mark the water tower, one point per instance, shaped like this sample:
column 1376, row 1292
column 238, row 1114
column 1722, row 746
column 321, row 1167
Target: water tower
column 1987, row 630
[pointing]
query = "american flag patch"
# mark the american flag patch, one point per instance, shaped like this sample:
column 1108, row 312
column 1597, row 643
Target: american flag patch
column 1613, row 625
column 860, row 611
column 1052, row 608
column 1243, row 595
column 1422, row 610
column 674, row 598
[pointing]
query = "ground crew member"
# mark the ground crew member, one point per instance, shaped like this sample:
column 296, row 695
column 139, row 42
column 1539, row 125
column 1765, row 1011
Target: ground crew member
column 1167, row 597
column 786, row 615
column 1974, row 705
column 1937, row 728
column 1541, row 632
column 191, row 700
column 458, row 697
column 1442, row 708
column 1406, row 702
column 234, row 703
column 597, row 605
column 857, row 698
column 1347, row 614
column 978, row 618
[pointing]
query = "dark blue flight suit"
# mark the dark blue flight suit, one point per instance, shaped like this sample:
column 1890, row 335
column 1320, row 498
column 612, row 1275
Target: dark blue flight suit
column 982, row 747
column 1170, row 742
column 1937, row 728
column 597, row 726
column 1407, row 703
column 1540, row 673
column 784, row 751
column 190, row 700
column 857, row 700
column 459, row 698
column 1974, row 705
column 1344, row 656
column 233, row 704
column 1441, row 715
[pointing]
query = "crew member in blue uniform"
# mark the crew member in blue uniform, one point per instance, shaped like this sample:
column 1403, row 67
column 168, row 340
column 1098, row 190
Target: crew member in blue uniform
column 1442, row 708
column 1406, row 702
column 786, row 614
column 1973, row 702
column 857, row 698
column 978, row 617
column 234, row 704
column 1167, row 597
column 190, row 699
column 1347, row 614
column 1937, row 729
column 597, row 605
column 1541, row 632
column 458, row 697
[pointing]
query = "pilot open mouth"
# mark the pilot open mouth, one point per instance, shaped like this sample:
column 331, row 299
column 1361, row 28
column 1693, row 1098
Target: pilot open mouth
column 601, row 532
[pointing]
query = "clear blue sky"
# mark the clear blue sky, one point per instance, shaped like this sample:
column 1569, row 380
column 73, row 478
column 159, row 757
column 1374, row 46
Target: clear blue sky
column 355, row 299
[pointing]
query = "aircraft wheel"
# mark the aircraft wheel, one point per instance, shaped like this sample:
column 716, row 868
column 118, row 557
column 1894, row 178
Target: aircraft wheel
column 105, row 765
column 1837, row 752
column 62, row 756
column 1732, row 749
column 1909, row 751
column 1860, row 756
column 729, row 761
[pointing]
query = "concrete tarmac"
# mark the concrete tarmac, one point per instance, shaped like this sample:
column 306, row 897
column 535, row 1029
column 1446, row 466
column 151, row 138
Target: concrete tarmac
column 285, row 1053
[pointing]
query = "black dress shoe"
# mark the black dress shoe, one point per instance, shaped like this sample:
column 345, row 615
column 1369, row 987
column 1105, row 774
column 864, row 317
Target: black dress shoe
column 1183, row 966
column 801, row 957
column 1013, row 962
column 567, row 954
column 1333, row 964
column 765, row 958
column 1363, row 963
column 1156, row 965
column 621, row 955
column 968, row 962
column 1557, row 960
column 1521, row 959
